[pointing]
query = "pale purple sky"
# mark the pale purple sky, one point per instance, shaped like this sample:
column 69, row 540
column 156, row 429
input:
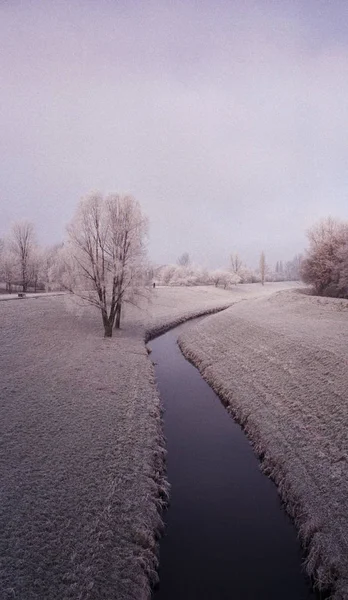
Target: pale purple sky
column 228, row 121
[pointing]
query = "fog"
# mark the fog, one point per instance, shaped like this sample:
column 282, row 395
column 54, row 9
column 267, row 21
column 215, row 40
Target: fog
column 227, row 121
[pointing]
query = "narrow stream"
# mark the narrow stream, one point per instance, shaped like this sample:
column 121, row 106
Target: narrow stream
column 227, row 535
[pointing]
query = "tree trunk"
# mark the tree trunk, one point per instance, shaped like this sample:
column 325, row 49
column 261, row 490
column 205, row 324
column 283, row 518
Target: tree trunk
column 24, row 279
column 107, row 325
column 118, row 316
column 107, row 330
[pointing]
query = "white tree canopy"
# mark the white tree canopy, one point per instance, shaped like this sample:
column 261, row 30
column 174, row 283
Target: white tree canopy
column 105, row 254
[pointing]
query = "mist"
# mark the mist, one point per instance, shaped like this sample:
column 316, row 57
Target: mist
column 226, row 121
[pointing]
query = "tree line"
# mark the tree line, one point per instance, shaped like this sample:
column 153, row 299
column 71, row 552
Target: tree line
column 103, row 260
column 23, row 263
column 184, row 272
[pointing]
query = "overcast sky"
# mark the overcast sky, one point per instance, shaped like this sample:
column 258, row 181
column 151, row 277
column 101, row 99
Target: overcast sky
column 228, row 121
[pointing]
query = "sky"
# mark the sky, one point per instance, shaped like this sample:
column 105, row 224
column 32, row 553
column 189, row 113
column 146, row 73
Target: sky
column 226, row 120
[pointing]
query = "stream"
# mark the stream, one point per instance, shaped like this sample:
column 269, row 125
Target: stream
column 227, row 535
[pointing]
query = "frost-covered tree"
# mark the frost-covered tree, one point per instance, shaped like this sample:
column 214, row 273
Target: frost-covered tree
column 343, row 271
column 236, row 264
column 105, row 254
column 35, row 268
column 52, row 267
column 292, row 271
column 324, row 262
column 8, row 269
column 22, row 243
column 166, row 274
column 241, row 272
column 218, row 277
column 184, row 260
column 262, row 267
column 224, row 278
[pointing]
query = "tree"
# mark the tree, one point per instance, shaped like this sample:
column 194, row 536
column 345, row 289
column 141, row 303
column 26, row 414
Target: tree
column 35, row 268
column 184, row 260
column 219, row 277
column 262, row 267
column 8, row 267
column 293, row 268
column 281, row 268
column 343, row 271
column 22, row 246
column 324, row 260
column 105, row 254
column 236, row 264
column 52, row 266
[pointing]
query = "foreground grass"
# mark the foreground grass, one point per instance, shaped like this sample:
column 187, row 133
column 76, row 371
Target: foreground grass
column 82, row 451
column 280, row 364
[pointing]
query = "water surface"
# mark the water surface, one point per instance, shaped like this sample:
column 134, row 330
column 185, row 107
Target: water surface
column 227, row 534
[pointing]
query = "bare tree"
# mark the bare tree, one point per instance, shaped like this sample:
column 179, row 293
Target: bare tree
column 22, row 246
column 236, row 263
column 128, row 230
column 262, row 267
column 105, row 254
column 184, row 260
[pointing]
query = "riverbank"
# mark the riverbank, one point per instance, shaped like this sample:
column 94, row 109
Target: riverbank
column 279, row 363
column 225, row 520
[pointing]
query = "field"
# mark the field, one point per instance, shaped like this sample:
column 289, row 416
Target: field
column 280, row 364
column 82, row 451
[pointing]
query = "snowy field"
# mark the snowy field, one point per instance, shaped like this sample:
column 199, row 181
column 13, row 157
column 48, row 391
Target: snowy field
column 14, row 295
column 81, row 461
column 280, row 363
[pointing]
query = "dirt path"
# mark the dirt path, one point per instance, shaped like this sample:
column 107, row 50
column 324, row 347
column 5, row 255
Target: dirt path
column 280, row 363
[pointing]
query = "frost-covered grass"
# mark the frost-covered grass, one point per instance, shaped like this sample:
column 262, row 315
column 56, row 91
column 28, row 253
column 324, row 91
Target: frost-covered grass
column 280, row 363
column 82, row 451
column 29, row 295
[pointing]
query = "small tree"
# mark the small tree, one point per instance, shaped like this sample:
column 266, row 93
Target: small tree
column 105, row 254
column 22, row 246
column 262, row 267
column 219, row 277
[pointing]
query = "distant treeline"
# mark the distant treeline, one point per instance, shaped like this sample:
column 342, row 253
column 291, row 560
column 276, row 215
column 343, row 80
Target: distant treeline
column 187, row 273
